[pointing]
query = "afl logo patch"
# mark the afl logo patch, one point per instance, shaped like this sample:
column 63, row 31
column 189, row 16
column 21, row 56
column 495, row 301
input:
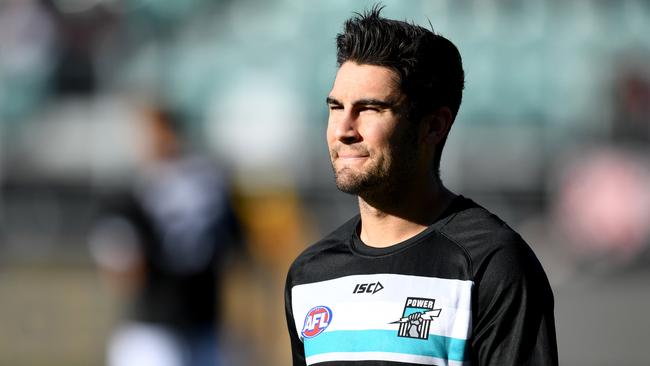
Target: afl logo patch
column 316, row 321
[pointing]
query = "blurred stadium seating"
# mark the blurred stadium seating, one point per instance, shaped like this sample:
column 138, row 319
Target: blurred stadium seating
column 549, row 83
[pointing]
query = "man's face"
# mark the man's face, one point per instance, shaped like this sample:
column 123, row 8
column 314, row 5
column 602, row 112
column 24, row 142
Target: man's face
column 372, row 146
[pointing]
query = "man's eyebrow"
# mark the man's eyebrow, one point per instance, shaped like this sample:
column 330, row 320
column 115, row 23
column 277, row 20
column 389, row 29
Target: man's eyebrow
column 374, row 102
column 364, row 102
column 331, row 100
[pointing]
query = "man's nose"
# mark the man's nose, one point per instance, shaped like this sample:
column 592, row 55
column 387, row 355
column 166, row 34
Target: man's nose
column 346, row 129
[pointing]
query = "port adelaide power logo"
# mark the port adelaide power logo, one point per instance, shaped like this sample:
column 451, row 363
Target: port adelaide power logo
column 417, row 317
column 317, row 319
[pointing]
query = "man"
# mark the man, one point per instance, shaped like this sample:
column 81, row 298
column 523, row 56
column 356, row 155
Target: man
column 422, row 276
column 163, row 244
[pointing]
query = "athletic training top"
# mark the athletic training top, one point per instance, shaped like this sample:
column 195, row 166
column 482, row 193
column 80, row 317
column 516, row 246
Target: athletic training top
column 467, row 290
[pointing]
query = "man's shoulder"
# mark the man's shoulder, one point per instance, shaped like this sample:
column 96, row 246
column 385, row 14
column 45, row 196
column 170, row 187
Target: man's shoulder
column 468, row 220
column 478, row 231
column 489, row 242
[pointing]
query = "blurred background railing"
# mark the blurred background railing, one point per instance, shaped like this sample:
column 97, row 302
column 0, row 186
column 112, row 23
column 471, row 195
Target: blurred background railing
column 553, row 135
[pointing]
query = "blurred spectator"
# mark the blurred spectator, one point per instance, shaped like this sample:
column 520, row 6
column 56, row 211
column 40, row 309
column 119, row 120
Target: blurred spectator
column 603, row 205
column 28, row 37
column 163, row 245
column 85, row 30
column 632, row 103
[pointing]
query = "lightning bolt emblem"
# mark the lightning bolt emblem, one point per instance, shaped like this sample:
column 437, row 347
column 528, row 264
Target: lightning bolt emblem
column 429, row 315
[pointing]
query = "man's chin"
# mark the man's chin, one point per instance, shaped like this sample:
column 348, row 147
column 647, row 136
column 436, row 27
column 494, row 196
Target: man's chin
column 349, row 184
column 349, row 189
column 352, row 184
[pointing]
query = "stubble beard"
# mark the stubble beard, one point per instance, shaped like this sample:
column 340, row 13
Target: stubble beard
column 384, row 176
column 350, row 181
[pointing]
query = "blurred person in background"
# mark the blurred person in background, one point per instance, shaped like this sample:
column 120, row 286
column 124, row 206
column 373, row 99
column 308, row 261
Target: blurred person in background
column 422, row 275
column 602, row 206
column 602, row 200
column 163, row 245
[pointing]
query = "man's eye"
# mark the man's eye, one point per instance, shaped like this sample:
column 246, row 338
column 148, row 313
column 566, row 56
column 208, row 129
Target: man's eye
column 369, row 109
column 335, row 107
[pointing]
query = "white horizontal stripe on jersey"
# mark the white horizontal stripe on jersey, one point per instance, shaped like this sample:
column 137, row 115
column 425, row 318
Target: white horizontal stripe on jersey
column 379, row 310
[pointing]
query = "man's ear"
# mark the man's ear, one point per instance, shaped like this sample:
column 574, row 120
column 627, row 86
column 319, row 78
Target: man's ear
column 435, row 126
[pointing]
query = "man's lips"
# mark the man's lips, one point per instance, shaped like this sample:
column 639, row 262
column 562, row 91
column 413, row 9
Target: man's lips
column 351, row 153
column 351, row 156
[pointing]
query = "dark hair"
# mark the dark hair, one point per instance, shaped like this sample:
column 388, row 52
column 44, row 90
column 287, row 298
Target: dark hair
column 429, row 66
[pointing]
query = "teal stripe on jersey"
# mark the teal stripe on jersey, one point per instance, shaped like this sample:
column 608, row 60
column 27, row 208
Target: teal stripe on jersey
column 385, row 341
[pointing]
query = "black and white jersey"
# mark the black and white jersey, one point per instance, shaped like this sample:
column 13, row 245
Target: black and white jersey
column 467, row 290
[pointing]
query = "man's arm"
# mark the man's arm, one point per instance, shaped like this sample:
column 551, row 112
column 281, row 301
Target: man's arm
column 297, row 346
column 514, row 322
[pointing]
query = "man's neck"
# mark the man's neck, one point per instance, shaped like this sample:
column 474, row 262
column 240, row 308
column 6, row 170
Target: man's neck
column 402, row 215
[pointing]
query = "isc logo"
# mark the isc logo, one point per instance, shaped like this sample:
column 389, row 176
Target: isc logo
column 316, row 321
column 368, row 288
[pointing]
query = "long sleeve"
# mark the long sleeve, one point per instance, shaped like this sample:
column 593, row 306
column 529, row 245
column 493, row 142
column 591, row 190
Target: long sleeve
column 514, row 321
